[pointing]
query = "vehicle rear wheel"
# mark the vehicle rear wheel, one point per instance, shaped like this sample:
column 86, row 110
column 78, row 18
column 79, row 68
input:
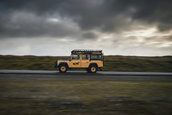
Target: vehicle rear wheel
column 92, row 69
column 62, row 68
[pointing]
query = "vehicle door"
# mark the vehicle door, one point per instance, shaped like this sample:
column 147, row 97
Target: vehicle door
column 75, row 61
column 85, row 60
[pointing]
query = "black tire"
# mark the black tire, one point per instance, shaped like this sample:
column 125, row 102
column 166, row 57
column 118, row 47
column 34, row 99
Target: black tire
column 63, row 68
column 88, row 70
column 92, row 69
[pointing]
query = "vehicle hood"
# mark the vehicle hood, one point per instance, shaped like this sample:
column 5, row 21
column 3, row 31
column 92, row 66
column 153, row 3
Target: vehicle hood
column 63, row 60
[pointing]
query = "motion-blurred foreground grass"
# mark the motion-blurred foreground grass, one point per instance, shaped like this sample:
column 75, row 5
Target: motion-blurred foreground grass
column 112, row 63
column 32, row 97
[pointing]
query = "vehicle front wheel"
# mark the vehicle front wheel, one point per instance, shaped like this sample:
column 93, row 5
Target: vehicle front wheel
column 62, row 68
column 92, row 69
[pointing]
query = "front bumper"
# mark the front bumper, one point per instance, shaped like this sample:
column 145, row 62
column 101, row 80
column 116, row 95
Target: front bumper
column 100, row 68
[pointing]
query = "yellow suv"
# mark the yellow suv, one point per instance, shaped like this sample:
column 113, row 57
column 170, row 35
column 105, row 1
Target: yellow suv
column 92, row 60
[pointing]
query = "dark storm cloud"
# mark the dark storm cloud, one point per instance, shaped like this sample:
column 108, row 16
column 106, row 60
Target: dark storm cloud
column 111, row 15
column 24, row 24
column 154, row 12
column 101, row 15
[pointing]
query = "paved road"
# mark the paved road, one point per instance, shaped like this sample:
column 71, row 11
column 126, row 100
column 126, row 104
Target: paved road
column 83, row 76
column 84, row 72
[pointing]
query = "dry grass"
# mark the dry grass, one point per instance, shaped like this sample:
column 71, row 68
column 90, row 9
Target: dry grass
column 82, row 97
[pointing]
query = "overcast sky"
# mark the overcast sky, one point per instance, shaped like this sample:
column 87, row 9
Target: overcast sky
column 55, row 27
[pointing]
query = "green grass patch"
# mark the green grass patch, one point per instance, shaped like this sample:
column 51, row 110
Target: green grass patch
column 112, row 63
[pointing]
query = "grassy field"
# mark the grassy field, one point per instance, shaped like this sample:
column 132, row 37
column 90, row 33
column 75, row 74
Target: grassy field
column 85, row 98
column 112, row 63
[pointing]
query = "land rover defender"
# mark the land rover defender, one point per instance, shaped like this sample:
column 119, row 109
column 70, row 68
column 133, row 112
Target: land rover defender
column 91, row 60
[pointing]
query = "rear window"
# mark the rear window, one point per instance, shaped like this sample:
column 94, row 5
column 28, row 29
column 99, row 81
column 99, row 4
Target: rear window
column 96, row 57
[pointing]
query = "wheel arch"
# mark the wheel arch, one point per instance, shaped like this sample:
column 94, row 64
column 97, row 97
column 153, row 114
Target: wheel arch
column 63, row 63
column 93, row 64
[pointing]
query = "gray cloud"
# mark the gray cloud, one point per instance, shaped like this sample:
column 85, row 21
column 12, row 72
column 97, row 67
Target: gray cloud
column 26, row 24
column 19, row 18
column 160, row 39
column 89, row 35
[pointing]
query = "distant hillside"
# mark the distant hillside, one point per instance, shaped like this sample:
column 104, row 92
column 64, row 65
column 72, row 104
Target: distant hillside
column 112, row 63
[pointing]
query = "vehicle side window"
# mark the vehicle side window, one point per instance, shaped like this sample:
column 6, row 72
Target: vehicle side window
column 85, row 57
column 96, row 57
column 75, row 56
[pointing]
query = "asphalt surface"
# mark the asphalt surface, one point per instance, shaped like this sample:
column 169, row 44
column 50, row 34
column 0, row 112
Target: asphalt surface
column 21, row 75
column 85, row 73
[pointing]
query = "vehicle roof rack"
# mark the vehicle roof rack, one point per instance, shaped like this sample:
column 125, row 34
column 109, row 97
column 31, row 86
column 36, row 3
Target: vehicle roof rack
column 85, row 51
